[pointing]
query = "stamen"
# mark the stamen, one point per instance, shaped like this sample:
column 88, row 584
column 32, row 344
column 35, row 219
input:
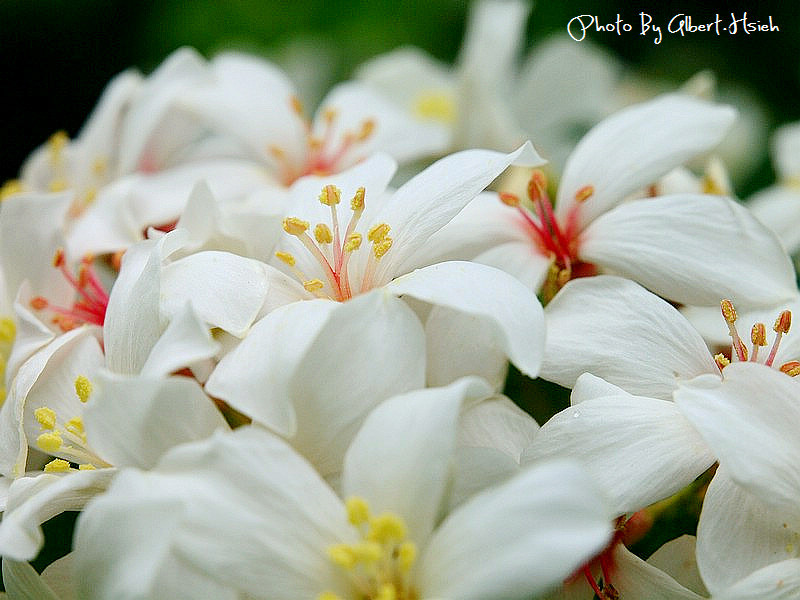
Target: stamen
column 782, row 325
column 583, row 194
column 50, row 442
column 758, row 336
column 791, row 368
column 721, row 360
column 295, row 226
column 509, row 199
column 322, row 234
column 729, row 313
column 58, row 465
column 46, row 417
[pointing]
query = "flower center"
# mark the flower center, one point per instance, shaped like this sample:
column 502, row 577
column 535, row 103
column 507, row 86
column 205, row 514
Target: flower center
column 92, row 299
column 66, row 439
column 558, row 240
column 326, row 152
column 758, row 338
column 379, row 564
column 332, row 249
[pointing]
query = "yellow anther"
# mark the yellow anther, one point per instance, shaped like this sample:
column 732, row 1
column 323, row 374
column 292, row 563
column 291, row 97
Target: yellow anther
column 357, row 203
column 322, row 233
column 791, row 368
column 46, row 417
column 297, row 106
column 58, row 257
column 313, row 285
column 382, row 247
column 83, row 388
column 342, row 555
column 367, row 127
column 277, row 152
column 387, row 592
column 329, row 596
column 584, row 193
column 783, row 322
column 87, row 467
column 509, row 199
column 406, row 555
column 386, row 527
column 295, row 226
column 57, row 142
column 90, row 195
column 721, row 360
column 59, row 465
column 435, row 105
column 11, row 187
column 537, row 184
column 758, row 334
column 353, row 242
column 7, row 330
column 50, row 441
column 367, row 552
column 330, row 195
column 75, row 426
column 329, row 115
column 99, row 165
column 58, row 185
column 357, row 510
column 729, row 313
column 286, row 257
column 377, row 232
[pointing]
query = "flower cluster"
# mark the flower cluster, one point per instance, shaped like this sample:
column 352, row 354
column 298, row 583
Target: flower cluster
column 261, row 363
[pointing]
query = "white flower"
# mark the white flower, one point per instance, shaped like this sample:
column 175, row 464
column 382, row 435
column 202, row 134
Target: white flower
column 750, row 524
column 279, row 531
column 664, row 243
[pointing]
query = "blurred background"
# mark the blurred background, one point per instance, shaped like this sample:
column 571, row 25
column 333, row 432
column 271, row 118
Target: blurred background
column 57, row 55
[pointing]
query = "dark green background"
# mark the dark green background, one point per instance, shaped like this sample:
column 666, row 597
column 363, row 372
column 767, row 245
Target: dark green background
column 57, row 55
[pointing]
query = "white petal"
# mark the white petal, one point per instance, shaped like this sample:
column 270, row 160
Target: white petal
column 132, row 421
column 400, row 459
column 185, row 342
column 638, row 145
column 517, row 540
column 490, row 294
column 636, row 579
column 32, row 501
column 225, row 289
column 778, row 207
column 660, row 450
column 21, row 581
column 241, row 509
column 778, row 581
column 353, row 364
column 276, row 344
column 750, row 420
column 666, row 244
column 619, row 331
column 497, row 423
column 677, row 559
column 738, row 534
column 430, row 200
column 786, row 149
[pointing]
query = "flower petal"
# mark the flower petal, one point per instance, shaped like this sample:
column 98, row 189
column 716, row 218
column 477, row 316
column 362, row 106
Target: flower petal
column 519, row 539
column 490, row 294
column 638, row 145
column 778, row 581
column 639, row 450
column 665, row 244
column 21, row 581
column 619, row 331
column 635, row 578
column 241, row 510
column 750, row 420
column 400, row 460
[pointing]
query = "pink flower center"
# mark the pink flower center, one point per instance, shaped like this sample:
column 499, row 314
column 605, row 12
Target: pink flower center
column 91, row 299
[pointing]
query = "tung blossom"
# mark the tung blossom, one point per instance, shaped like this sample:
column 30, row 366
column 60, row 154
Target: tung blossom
column 659, row 242
column 281, row 532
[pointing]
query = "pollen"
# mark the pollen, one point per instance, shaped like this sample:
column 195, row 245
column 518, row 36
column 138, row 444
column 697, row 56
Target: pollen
column 46, row 417
column 377, row 232
column 59, row 465
column 295, row 226
column 353, row 242
column 791, row 368
column 509, row 199
column 11, row 187
column 729, row 312
column 367, row 129
column 386, row 527
column 583, row 194
column 435, row 105
column 783, row 322
column 758, row 334
column 357, row 202
column 7, row 330
column 721, row 360
column 83, row 388
column 357, row 510
column 322, row 233
column 382, row 247
column 286, row 258
column 330, row 195
column 75, row 427
column 50, row 442
column 313, row 285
